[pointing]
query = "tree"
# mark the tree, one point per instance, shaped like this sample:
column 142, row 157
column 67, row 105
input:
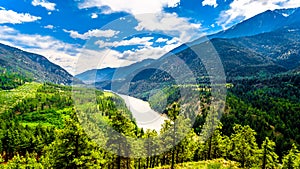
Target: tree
column 211, row 136
column 173, row 113
column 244, row 146
column 73, row 149
column 292, row 159
column 268, row 155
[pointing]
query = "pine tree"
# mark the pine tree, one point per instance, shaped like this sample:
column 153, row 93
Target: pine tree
column 292, row 159
column 211, row 136
column 244, row 146
column 173, row 113
column 73, row 149
column 268, row 155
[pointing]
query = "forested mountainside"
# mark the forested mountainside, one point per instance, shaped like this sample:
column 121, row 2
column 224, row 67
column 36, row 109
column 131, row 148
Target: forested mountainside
column 31, row 66
column 259, row 55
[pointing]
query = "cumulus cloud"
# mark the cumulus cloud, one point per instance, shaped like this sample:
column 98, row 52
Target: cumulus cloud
column 56, row 51
column 150, row 16
column 210, row 3
column 130, row 6
column 170, row 24
column 144, row 41
column 148, row 52
column 9, row 16
column 245, row 9
column 145, row 51
column 92, row 33
column 44, row 3
column 49, row 26
column 94, row 16
column 160, row 40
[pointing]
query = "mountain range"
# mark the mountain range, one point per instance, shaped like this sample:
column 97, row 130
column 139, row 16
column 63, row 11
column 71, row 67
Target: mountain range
column 267, row 43
column 263, row 45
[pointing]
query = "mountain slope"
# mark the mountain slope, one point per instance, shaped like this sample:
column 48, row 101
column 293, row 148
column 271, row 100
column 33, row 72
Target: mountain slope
column 254, row 56
column 264, row 22
column 274, row 51
column 281, row 46
column 32, row 65
column 108, row 74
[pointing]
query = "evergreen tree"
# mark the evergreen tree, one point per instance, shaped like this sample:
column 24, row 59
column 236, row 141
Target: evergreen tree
column 292, row 159
column 73, row 149
column 244, row 146
column 173, row 113
column 268, row 155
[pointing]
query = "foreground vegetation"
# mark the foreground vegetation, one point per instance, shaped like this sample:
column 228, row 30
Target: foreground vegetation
column 44, row 129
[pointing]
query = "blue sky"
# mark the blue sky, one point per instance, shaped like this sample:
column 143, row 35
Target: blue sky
column 85, row 34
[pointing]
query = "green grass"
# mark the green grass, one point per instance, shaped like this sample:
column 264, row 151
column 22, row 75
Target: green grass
column 9, row 98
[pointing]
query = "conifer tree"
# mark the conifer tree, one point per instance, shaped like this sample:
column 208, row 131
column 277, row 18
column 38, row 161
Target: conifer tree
column 244, row 146
column 73, row 149
column 268, row 155
column 292, row 159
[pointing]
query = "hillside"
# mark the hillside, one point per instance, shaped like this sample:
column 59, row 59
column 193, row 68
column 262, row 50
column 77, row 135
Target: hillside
column 108, row 74
column 32, row 66
column 254, row 56
column 267, row 21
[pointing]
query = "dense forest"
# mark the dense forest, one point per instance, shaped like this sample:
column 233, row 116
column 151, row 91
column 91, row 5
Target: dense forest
column 45, row 128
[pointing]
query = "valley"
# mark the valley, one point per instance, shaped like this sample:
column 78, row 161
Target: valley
column 229, row 100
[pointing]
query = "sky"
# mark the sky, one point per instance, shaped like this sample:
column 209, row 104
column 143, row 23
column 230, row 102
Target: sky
column 80, row 35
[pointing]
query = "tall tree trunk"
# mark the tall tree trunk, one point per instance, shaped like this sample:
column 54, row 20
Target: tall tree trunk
column 209, row 148
column 174, row 142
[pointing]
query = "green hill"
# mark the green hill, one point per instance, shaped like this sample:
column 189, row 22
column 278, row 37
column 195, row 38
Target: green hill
column 31, row 66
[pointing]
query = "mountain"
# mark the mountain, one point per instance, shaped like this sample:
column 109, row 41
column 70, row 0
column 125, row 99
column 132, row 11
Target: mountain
column 257, row 56
column 97, row 75
column 274, row 48
column 267, row 21
column 32, row 66
column 264, row 22
column 108, row 74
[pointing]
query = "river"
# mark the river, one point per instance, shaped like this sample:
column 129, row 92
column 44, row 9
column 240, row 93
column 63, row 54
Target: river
column 145, row 117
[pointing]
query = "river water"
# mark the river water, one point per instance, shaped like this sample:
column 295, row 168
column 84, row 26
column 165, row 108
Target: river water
column 145, row 117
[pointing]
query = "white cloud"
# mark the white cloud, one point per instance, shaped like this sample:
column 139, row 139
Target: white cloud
column 130, row 6
column 170, row 24
column 56, row 51
column 92, row 59
column 94, row 16
column 146, row 51
column 49, row 27
column 44, row 3
column 150, row 15
column 210, row 3
column 245, row 9
column 9, row 16
column 173, row 41
column 145, row 41
column 160, row 40
column 92, row 33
